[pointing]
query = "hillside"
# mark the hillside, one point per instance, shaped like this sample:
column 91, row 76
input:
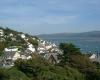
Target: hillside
column 26, row 57
column 10, row 38
column 18, row 45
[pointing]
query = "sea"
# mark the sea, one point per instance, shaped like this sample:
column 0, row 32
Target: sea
column 86, row 44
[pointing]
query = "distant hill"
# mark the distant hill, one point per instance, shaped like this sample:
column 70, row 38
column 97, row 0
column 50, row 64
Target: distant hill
column 84, row 34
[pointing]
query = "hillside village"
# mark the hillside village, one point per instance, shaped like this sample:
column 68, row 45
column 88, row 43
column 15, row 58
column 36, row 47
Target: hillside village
column 26, row 57
column 17, row 45
column 23, row 46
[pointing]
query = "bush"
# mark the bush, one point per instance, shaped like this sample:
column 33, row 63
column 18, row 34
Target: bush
column 72, row 56
column 3, row 75
column 40, row 69
column 15, row 74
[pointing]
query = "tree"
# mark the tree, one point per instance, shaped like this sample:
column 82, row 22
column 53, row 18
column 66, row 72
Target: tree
column 72, row 57
column 68, row 49
column 2, row 46
column 40, row 69
column 3, row 75
column 34, row 42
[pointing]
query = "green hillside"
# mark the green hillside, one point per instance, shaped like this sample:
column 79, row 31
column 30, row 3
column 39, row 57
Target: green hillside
column 73, row 65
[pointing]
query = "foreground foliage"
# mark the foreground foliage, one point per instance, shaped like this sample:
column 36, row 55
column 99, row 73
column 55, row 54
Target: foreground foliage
column 72, row 57
column 39, row 69
column 73, row 65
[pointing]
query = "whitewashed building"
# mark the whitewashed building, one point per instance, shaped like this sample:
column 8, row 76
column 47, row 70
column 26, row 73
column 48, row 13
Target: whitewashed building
column 1, row 32
column 31, row 48
column 10, row 49
column 23, row 36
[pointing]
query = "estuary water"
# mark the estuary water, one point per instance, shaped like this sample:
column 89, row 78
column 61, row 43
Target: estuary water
column 86, row 44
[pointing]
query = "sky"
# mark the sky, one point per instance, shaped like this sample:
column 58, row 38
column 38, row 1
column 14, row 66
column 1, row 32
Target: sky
column 50, row 16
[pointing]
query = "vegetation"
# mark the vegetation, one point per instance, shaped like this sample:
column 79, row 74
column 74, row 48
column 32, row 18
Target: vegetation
column 13, row 38
column 34, row 42
column 72, row 57
column 12, row 74
column 68, row 49
column 2, row 46
column 40, row 69
column 73, row 65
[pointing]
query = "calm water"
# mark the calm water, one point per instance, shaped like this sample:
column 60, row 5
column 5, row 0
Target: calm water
column 86, row 44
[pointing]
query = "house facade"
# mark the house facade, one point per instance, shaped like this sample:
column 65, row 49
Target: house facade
column 11, row 56
column 1, row 32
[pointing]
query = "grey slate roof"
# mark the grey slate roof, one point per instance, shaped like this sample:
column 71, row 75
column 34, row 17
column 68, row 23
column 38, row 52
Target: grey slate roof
column 9, row 54
column 54, row 55
column 26, row 53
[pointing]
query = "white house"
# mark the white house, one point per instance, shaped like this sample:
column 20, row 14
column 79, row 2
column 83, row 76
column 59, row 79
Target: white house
column 1, row 32
column 11, row 35
column 34, row 38
column 10, row 49
column 25, row 57
column 29, row 57
column 16, row 56
column 48, row 47
column 31, row 48
column 54, row 45
column 41, row 48
column 93, row 56
column 13, row 39
column 11, row 56
column 23, row 36
column 27, row 54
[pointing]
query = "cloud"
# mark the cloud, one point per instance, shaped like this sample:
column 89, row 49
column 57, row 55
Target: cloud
column 55, row 19
column 38, row 20
column 46, row 13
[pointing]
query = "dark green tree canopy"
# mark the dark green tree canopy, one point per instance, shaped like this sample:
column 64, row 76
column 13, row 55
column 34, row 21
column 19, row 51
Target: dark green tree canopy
column 69, row 48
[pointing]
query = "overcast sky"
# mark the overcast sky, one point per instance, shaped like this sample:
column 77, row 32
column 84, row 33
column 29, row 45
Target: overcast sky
column 50, row 16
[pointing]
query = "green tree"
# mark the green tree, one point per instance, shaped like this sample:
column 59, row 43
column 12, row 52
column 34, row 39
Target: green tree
column 68, row 49
column 72, row 57
column 40, row 69
column 2, row 46
column 3, row 75
column 34, row 42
